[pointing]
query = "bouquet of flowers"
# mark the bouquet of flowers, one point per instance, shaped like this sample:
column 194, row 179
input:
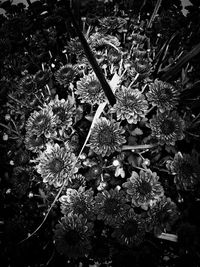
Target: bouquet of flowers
column 100, row 129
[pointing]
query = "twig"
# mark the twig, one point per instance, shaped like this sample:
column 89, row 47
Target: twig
column 126, row 147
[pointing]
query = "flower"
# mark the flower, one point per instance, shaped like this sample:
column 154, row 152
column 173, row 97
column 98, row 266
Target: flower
column 74, row 47
column 101, row 42
column 65, row 74
column 106, row 137
column 163, row 215
column 94, row 172
column 42, row 77
column 112, row 23
column 21, row 157
column 113, row 55
column 131, row 230
column 167, row 127
column 27, row 84
column 131, row 105
column 110, row 206
column 139, row 53
column 72, row 236
column 138, row 38
column 55, row 164
column 142, row 66
column 34, row 143
column 143, row 189
column 64, row 110
column 186, row 169
column 42, row 122
column 163, row 95
column 90, row 90
column 76, row 181
column 78, row 202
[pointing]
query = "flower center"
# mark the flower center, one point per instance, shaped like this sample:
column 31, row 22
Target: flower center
column 168, row 92
column 56, row 165
column 95, row 170
column 186, row 169
column 106, row 137
column 144, row 188
column 130, row 228
column 111, row 206
column 72, row 237
column 80, row 207
column 41, row 120
column 36, row 140
column 60, row 112
column 94, row 87
column 167, row 127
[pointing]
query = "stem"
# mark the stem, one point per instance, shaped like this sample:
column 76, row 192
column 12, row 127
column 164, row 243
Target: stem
column 126, row 147
column 106, row 88
column 158, row 4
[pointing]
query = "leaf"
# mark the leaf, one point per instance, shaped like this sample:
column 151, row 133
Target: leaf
column 162, row 53
column 172, row 72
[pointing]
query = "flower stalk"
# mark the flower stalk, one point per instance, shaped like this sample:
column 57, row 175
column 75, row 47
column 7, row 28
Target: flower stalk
column 106, row 88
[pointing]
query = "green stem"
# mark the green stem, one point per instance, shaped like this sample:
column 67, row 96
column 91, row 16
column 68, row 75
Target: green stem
column 126, row 147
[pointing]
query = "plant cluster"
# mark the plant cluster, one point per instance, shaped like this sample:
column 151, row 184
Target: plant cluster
column 86, row 182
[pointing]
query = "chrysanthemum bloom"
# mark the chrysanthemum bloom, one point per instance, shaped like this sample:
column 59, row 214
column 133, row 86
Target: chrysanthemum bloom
column 112, row 23
column 27, row 84
column 100, row 42
column 106, row 137
column 139, row 53
column 94, row 172
column 110, row 206
column 72, row 236
column 55, row 164
column 76, row 181
column 114, row 56
column 167, row 127
column 89, row 90
column 163, row 215
column 143, row 189
column 65, row 74
column 21, row 157
column 42, row 77
column 131, row 230
column 163, row 95
column 34, row 143
column 138, row 38
column 131, row 105
column 74, row 47
column 186, row 169
column 63, row 110
column 42, row 122
column 78, row 202
column 142, row 66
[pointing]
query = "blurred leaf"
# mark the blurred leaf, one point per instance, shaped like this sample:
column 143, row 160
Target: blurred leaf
column 173, row 71
column 162, row 53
